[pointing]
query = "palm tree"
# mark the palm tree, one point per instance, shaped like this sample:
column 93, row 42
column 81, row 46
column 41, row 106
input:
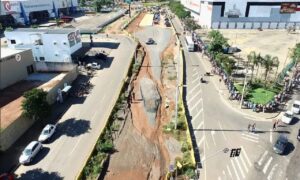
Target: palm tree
column 259, row 61
column 268, row 63
column 253, row 60
column 275, row 64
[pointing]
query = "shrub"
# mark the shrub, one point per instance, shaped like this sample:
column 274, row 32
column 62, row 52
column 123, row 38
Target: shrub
column 181, row 124
column 185, row 146
column 106, row 146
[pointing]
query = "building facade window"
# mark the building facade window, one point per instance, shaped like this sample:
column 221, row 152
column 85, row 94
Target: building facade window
column 13, row 41
column 42, row 58
column 30, row 69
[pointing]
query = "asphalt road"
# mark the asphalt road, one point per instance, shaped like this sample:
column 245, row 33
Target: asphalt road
column 216, row 126
column 80, row 126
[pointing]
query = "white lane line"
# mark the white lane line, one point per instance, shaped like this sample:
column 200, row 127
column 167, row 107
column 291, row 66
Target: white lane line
column 195, row 105
column 195, row 74
column 267, row 165
column 244, row 164
column 201, row 141
column 271, row 136
column 270, row 175
column 219, row 178
column 198, row 113
column 195, row 87
column 229, row 172
column 207, row 145
column 212, row 134
column 241, row 170
column 74, row 147
column 222, row 131
column 195, row 95
column 201, row 124
column 248, row 139
column 235, row 171
column 250, row 136
column 195, row 80
column 194, row 69
column 248, row 161
column 262, row 158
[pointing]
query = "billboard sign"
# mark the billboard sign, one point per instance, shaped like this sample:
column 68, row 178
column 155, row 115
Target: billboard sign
column 288, row 8
column 71, row 39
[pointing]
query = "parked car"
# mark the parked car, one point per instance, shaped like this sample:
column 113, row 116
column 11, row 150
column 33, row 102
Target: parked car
column 93, row 66
column 150, row 41
column 287, row 117
column 30, row 152
column 296, row 107
column 47, row 133
column 298, row 136
column 280, row 144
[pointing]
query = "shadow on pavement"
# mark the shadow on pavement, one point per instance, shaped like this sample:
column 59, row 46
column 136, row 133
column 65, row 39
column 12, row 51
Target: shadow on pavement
column 40, row 174
column 71, row 128
column 40, row 155
column 110, row 45
column 294, row 121
column 241, row 130
column 289, row 148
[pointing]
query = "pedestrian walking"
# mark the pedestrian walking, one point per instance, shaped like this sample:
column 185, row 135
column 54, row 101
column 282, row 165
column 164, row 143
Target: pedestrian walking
column 133, row 95
column 274, row 126
column 277, row 122
column 249, row 127
column 253, row 128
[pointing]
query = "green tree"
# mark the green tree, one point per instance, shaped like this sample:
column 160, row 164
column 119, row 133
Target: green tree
column 217, row 43
column 268, row 63
column 253, row 60
column 295, row 55
column 98, row 4
column 82, row 3
column 276, row 64
column 178, row 9
column 191, row 24
column 35, row 105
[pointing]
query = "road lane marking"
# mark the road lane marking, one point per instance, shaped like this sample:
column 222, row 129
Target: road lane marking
column 229, row 172
column 271, row 136
column 219, row 178
column 195, row 87
column 248, row 161
column 74, row 147
column 250, row 136
column 267, row 165
column 201, row 141
column 195, row 80
column 207, row 145
column 213, row 137
column 241, row 170
column 195, row 95
column 201, row 124
column 234, row 168
column 198, row 113
column 195, row 105
column 195, row 74
column 243, row 162
column 249, row 139
column 262, row 158
column 222, row 131
column 270, row 175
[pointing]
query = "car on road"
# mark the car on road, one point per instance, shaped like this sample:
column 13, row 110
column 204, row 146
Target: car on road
column 280, row 144
column 150, row 41
column 93, row 66
column 7, row 176
column 296, row 107
column 298, row 136
column 287, row 117
column 47, row 133
column 30, row 152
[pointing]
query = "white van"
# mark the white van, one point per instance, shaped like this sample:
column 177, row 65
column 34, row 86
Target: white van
column 296, row 107
column 189, row 43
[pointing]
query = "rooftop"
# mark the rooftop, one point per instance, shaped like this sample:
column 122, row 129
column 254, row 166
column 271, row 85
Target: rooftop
column 46, row 31
column 5, row 52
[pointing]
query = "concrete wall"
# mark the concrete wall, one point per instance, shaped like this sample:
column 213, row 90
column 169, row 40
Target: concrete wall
column 68, row 78
column 53, row 66
column 12, row 71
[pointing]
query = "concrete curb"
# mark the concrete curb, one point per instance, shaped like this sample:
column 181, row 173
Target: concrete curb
column 107, row 114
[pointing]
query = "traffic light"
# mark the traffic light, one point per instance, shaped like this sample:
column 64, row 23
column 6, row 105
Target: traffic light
column 235, row 152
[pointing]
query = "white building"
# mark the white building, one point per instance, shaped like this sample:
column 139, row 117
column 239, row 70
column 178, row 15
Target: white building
column 248, row 14
column 32, row 11
column 48, row 45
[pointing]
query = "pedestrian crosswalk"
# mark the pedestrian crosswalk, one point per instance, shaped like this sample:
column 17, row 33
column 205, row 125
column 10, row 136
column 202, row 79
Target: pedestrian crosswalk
column 268, row 166
column 238, row 168
column 252, row 137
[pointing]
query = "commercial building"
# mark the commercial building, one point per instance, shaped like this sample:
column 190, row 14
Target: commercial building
column 34, row 11
column 245, row 14
column 15, row 65
column 48, row 45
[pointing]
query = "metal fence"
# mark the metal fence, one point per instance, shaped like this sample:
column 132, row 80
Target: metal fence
column 253, row 25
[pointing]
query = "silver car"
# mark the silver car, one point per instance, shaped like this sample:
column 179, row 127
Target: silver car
column 30, row 152
column 47, row 132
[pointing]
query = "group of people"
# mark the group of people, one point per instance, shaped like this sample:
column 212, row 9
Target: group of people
column 251, row 127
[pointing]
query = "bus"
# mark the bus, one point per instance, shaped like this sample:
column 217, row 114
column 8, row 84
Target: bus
column 189, row 43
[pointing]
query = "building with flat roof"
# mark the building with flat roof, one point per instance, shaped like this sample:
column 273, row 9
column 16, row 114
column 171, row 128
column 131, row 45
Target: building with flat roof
column 245, row 14
column 15, row 65
column 48, row 45
column 34, row 11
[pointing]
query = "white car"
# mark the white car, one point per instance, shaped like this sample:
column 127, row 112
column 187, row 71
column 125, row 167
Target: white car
column 287, row 117
column 94, row 66
column 30, row 151
column 296, row 107
column 47, row 132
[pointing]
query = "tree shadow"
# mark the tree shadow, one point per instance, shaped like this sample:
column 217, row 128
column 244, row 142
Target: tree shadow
column 71, row 128
column 40, row 174
column 40, row 155
column 294, row 121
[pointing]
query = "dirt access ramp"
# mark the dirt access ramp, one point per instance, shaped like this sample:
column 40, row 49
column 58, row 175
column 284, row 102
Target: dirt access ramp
column 143, row 150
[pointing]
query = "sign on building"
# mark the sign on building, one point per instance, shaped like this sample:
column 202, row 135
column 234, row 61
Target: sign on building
column 287, row 8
